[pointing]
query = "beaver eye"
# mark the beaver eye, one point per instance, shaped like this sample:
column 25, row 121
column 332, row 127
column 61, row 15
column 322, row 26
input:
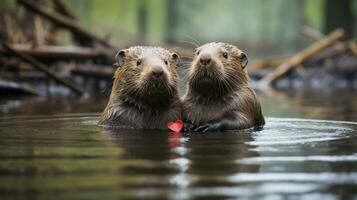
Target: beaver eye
column 197, row 52
column 225, row 55
column 165, row 62
column 138, row 62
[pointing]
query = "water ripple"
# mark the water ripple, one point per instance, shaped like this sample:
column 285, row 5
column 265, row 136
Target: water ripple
column 324, row 177
column 317, row 158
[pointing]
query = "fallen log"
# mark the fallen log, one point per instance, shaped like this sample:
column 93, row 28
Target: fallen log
column 64, row 22
column 40, row 66
column 98, row 72
column 26, row 76
column 51, row 51
column 11, row 30
column 10, row 87
column 266, row 63
column 64, row 9
column 353, row 47
column 302, row 56
column 311, row 33
column 335, row 50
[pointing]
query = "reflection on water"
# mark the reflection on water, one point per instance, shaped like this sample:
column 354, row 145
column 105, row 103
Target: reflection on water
column 67, row 157
column 312, row 104
column 330, row 104
column 52, row 104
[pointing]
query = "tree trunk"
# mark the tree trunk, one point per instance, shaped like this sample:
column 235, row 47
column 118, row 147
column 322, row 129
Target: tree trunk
column 338, row 14
column 142, row 20
column 171, row 21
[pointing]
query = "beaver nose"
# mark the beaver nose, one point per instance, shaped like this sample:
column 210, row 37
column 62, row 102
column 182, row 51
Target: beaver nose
column 157, row 72
column 205, row 59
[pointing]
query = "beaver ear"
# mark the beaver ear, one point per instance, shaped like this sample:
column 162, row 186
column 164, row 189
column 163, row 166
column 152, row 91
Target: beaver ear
column 243, row 60
column 175, row 58
column 120, row 57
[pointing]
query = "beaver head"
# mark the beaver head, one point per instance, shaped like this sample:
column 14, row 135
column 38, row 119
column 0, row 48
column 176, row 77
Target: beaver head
column 217, row 69
column 146, row 76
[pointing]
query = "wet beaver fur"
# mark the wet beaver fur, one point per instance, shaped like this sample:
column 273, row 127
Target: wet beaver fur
column 144, row 93
column 218, row 95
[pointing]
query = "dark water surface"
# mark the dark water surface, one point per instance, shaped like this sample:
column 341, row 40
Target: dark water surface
column 69, row 157
column 49, row 152
column 311, row 104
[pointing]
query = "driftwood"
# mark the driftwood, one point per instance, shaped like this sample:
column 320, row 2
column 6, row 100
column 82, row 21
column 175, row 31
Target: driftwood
column 302, row 56
column 99, row 72
column 38, row 65
column 25, row 75
column 353, row 47
column 311, row 33
column 62, row 8
column 337, row 49
column 58, row 52
column 64, row 22
column 11, row 29
column 266, row 63
column 39, row 32
column 10, row 87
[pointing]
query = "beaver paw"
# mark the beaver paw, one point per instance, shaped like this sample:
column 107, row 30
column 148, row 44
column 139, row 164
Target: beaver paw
column 187, row 127
column 208, row 128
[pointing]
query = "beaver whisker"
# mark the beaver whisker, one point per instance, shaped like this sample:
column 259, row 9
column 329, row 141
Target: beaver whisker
column 231, row 82
column 227, row 85
column 194, row 40
column 188, row 42
column 186, row 62
column 187, row 57
column 224, row 86
column 185, row 65
column 184, row 78
column 185, row 71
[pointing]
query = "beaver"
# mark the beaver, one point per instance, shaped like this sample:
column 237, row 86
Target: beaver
column 218, row 95
column 144, row 93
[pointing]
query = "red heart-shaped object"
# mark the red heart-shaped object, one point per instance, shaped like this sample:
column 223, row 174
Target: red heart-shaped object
column 175, row 126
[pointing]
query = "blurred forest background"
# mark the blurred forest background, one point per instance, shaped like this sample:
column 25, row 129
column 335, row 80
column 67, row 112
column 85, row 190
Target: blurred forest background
column 266, row 27
column 73, row 43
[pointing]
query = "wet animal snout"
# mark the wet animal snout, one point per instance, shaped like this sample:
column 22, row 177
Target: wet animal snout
column 205, row 59
column 157, row 72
